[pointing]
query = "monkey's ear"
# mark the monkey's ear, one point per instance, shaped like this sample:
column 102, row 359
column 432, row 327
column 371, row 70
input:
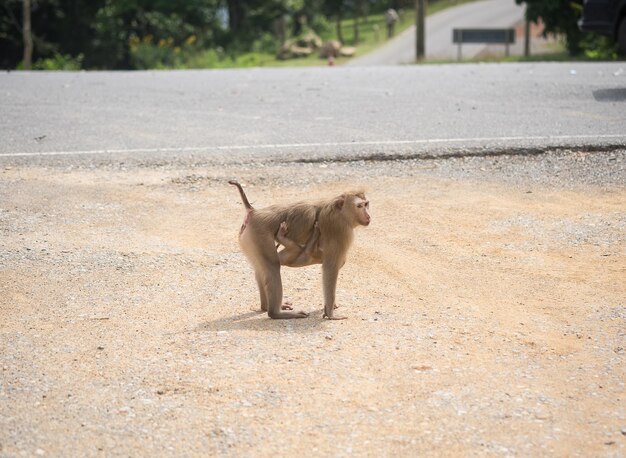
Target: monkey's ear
column 339, row 201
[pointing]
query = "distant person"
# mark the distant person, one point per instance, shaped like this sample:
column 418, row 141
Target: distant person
column 391, row 17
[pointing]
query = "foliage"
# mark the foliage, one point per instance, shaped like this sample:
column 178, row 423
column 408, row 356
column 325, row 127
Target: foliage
column 266, row 43
column 102, row 30
column 598, row 47
column 559, row 17
column 60, row 62
column 57, row 62
column 145, row 54
column 139, row 34
column 142, row 34
column 146, row 34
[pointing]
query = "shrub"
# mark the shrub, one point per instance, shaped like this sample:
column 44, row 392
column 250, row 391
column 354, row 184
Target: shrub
column 59, row 62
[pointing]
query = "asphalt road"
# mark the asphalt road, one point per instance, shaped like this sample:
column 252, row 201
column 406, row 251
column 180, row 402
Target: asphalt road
column 312, row 113
column 439, row 26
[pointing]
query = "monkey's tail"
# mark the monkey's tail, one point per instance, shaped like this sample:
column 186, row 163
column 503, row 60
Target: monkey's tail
column 243, row 194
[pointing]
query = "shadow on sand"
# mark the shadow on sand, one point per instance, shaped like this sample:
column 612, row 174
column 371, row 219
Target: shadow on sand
column 259, row 321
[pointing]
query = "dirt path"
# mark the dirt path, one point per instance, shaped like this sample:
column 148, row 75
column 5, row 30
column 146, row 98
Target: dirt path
column 486, row 309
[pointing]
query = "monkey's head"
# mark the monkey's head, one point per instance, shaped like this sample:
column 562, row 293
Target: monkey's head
column 356, row 207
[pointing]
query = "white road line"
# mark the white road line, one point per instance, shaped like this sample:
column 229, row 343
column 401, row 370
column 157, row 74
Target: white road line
column 548, row 138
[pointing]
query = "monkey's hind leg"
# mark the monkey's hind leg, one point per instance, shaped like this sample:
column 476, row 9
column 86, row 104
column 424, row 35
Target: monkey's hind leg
column 274, row 288
column 262, row 291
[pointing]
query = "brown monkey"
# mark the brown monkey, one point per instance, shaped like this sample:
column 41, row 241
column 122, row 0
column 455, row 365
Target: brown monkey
column 295, row 255
column 319, row 233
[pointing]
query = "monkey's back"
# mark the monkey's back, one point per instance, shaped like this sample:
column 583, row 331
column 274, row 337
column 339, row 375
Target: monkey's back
column 300, row 218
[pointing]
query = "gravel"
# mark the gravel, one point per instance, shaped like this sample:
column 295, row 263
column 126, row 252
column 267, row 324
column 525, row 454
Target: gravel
column 485, row 302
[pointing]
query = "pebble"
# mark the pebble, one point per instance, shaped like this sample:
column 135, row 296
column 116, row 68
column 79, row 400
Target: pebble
column 422, row 368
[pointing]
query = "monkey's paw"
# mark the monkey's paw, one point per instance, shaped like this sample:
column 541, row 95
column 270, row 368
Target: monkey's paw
column 334, row 317
column 287, row 306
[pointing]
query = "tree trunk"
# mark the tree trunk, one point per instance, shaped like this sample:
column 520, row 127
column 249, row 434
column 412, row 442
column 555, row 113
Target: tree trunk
column 27, row 34
column 357, row 15
column 235, row 15
column 420, row 35
column 339, row 31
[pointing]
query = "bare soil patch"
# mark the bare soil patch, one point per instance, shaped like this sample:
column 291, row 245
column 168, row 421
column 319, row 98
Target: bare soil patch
column 486, row 313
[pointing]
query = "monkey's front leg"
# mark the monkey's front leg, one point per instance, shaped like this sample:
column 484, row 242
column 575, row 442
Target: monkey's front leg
column 330, row 272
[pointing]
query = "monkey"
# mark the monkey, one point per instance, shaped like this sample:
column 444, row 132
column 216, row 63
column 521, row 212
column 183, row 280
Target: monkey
column 335, row 219
column 295, row 255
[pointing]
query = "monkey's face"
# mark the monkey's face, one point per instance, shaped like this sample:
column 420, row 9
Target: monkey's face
column 362, row 211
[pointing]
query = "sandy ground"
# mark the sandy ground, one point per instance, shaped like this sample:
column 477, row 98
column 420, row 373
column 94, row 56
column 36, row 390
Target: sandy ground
column 486, row 305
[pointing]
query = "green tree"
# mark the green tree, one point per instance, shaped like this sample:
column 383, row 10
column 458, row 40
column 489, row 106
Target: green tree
column 58, row 28
column 13, row 33
column 126, row 34
column 156, row 29
column 559, row 17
